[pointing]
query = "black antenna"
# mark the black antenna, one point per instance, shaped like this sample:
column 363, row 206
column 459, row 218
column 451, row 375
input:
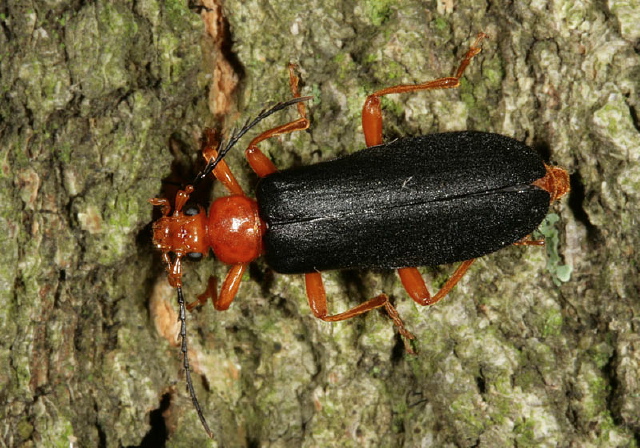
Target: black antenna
column 235, row 136
column 185, row 362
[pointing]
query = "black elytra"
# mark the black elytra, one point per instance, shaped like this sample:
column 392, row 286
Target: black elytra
column 416, row 201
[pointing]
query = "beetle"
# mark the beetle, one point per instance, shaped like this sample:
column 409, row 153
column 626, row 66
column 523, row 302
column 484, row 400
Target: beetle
column 425, row 200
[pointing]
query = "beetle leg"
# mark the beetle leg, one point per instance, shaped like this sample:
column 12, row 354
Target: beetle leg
column 221, row 171
column 317, row 297
column 260, row 163
column 211, row 291
column 528, row 241
column 228, row 291
column 372, row 113
column 229, row 287
column 417, row 288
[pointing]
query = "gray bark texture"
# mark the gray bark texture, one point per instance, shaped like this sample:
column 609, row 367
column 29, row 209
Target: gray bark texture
column 535, row 346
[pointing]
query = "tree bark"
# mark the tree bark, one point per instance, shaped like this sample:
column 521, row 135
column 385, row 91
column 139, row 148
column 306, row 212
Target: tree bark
column 101, row 99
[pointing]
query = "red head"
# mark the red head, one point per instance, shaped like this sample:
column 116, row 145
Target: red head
column 233, row 230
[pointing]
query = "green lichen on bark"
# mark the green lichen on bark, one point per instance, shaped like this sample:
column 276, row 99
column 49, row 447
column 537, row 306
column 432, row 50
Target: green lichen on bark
column 92, row 94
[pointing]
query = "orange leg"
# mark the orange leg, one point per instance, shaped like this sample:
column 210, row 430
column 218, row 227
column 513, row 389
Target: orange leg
column 317, row 297
column 221, row 171
column 528, row 241
column 372, row 113
column 260, row 163
column 228, row 291
column 417, row 288
column 211, row 291
column 230, row 287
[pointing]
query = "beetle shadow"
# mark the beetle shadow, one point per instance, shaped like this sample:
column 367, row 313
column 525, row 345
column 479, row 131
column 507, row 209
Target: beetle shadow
column 186, row 164
column 577, row 198
column 263, row 276
column 543, row 149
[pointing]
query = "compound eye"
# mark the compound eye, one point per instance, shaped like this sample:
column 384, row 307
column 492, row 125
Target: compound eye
column 191, row 210
column 194, row 256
